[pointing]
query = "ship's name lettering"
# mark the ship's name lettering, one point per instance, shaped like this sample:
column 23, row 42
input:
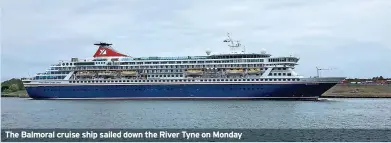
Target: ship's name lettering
column 50, row 82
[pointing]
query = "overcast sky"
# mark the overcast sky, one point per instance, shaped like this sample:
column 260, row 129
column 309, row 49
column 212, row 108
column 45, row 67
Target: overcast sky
column 351, row 36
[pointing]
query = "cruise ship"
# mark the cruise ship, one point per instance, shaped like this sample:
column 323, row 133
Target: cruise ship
column 110, row 74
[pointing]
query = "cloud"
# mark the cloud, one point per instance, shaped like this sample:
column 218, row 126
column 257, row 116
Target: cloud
column 350, row 35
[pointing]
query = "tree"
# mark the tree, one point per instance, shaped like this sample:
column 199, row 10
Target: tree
column 4, row 88
column 381, row 78
column 14, row 87
column 10, row 82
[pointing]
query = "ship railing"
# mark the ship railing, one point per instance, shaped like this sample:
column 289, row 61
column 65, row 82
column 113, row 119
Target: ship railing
column 171, row 58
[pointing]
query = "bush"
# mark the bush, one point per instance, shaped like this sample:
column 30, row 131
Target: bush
column 14, row 88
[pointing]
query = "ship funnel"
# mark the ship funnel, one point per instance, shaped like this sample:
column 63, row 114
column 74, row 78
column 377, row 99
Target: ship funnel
column 105, row 50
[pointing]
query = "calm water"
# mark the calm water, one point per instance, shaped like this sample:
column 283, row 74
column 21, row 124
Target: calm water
column 331, row 113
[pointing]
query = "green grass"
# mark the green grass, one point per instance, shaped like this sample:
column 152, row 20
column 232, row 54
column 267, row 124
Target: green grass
column 20, row 93
column 360, row 91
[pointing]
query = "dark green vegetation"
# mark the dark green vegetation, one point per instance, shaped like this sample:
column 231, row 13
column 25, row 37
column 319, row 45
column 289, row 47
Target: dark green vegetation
column 13, row 88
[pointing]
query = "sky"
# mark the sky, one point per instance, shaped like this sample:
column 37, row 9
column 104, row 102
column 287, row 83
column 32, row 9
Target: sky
column 351, row 37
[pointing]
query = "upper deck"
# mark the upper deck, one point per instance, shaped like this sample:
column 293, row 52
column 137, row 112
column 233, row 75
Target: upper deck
column 108, row 63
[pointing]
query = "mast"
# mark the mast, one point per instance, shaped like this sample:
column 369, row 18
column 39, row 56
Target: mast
column 234, row 45
column 320, row 69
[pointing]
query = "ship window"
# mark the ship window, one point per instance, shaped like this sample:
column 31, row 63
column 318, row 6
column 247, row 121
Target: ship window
column 201, row 80
column 257, row 79
column 284, row 74
column 261, row 79
column 248, row 79
column 70, row 82
column 284, row 79
column 289, row 74
column 279, row 79
column 297, row 79
column 275, row 74
column 214, row 79
column 279, row 74
column 218, row 79
column 275, row 79
column 252, row 79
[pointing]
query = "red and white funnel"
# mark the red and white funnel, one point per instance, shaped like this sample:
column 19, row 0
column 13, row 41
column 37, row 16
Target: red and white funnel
column 105, row 50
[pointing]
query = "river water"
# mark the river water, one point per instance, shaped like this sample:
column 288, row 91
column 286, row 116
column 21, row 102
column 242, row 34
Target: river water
column 223, row 114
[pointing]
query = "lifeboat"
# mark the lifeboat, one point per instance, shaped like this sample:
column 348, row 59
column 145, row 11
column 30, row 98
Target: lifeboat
column 253, row 71
column 194, row 72
column 235, row 71
column 85, row 74
column 107, row 73
column 128, row 73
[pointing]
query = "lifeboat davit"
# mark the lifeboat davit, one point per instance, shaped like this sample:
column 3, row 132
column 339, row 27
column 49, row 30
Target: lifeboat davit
column 107, row 73
column 85, row 74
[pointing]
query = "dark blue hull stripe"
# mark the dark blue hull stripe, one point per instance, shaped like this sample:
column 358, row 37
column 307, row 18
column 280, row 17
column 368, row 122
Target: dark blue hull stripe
column 181, row 91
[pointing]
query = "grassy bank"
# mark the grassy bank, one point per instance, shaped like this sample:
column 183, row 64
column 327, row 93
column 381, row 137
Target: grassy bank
column 359, row 91
column 20, row 93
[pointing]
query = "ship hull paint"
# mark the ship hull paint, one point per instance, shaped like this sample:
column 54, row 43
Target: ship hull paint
column 180, row 91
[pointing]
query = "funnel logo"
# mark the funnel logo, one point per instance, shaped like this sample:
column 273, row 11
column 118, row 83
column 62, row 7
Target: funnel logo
column 102, row 52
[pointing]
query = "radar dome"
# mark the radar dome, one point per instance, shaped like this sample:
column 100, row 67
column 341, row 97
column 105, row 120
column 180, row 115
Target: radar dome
column 263, row 51
column 208, row 52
